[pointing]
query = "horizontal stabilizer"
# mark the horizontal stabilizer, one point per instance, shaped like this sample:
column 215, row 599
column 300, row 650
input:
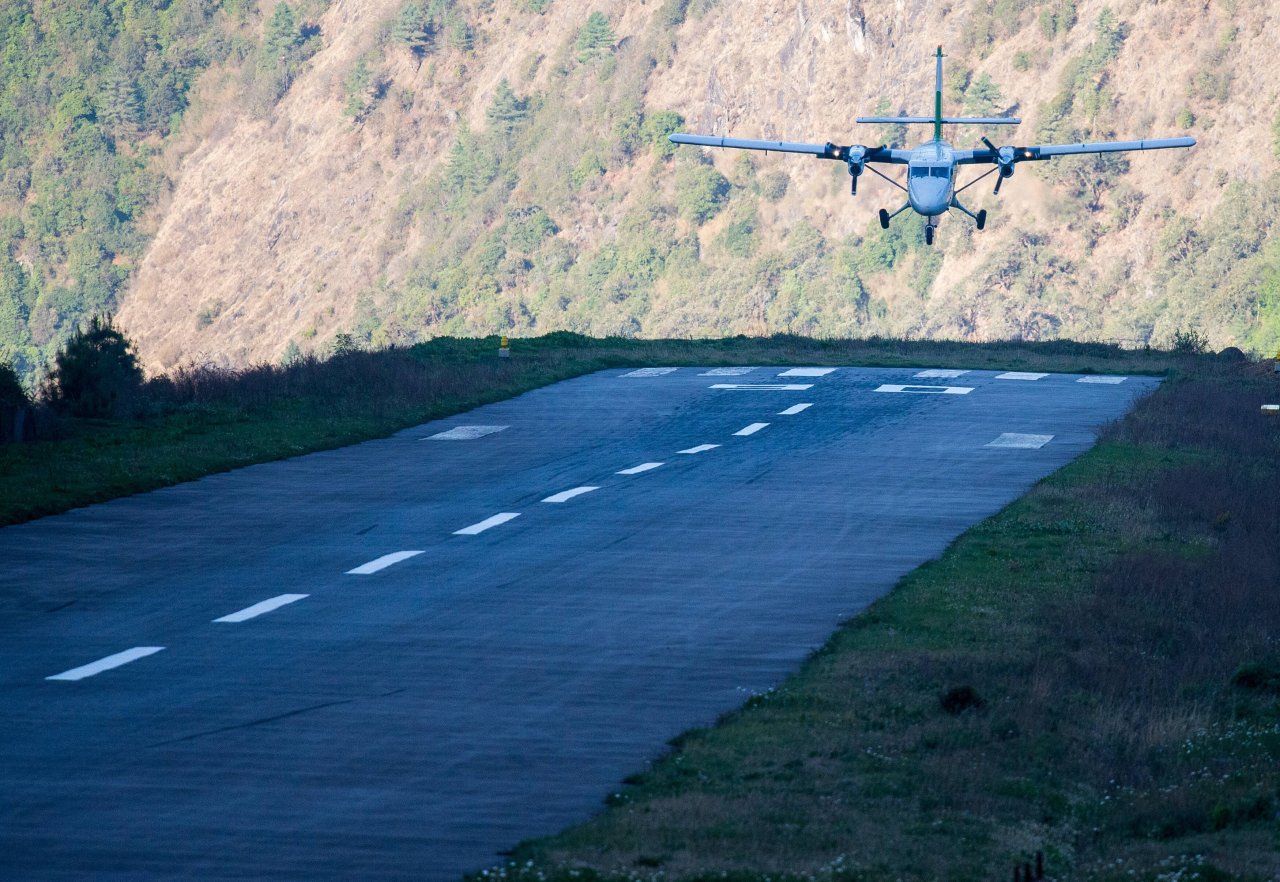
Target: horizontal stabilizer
column 947, row 120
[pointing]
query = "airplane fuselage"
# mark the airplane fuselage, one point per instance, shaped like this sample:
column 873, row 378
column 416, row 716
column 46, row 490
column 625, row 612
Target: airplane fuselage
column 931, row 178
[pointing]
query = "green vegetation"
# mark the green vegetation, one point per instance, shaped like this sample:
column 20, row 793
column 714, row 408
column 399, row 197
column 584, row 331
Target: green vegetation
column 196, row 421
column 1091, row 673
column 96, row 373
column 90, row 94
column 596, row 37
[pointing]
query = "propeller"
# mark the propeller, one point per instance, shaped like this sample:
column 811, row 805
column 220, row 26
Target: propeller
column 1004, row 157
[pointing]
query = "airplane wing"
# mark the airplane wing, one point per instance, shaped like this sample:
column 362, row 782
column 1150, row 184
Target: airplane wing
column 857, row 152
column 1007, row 156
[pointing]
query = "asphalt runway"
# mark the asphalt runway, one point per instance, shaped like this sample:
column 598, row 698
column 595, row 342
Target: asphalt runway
column 393, row 660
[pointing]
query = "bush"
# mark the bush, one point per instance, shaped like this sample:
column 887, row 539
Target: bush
column 96, row 373
column 11, row 392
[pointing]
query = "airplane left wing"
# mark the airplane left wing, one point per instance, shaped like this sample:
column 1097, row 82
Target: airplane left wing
column 856, row 153
column 1007, row 156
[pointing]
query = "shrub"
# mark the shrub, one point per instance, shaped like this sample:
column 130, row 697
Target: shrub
column 11, row 392
column 96, row 373
column 595, row 38
column 702, row 191
column 959, row 699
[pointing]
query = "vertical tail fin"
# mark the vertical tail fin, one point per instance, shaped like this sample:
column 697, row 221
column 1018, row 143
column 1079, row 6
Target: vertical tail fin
column 937, row 101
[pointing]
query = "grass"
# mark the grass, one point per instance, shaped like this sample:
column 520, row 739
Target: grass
column 200, row 420
column 1093, row 673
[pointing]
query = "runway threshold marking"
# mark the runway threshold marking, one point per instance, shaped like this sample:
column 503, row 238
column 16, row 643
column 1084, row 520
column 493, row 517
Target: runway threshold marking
column 643, row 467
column 488, row 523
column 1108, row 381
column 381, row 563
column 1020, row 375
column 764, row 387
column 1021, row 441
column 807, row 372
column 566, row 495
column 106, row 664
column 795, row 409
column 926, row 390
column 751, row 429
column 651, row 372
column 727, row 372
column 465, row 433
column 266, row 606
column 701, row 448
column 939, row 374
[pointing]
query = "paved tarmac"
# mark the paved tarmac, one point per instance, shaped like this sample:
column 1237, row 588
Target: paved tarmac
column 359, row 664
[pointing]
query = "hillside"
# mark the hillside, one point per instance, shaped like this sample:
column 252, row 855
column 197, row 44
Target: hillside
column 499, row 166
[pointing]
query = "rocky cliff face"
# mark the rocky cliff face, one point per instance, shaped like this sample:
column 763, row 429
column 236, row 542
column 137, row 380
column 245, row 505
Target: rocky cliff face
column 346, row 207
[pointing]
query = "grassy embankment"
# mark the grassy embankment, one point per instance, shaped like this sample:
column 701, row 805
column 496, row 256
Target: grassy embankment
column 205, row 421
column 1094, row 672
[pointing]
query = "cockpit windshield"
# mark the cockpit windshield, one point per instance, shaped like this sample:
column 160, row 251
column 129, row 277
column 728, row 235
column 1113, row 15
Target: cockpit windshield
column 931, row 171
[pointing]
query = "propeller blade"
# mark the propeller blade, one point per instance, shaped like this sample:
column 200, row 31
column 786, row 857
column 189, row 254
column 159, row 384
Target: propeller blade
column 999, row 181
column 990, row 146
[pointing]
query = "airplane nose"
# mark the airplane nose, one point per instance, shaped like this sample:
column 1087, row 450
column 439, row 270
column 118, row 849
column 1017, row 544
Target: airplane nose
column 928, row 195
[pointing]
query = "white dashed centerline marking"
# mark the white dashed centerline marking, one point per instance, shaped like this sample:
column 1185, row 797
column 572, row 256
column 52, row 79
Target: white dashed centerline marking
column 252, row 612
column 939, row 374
column 488, row 523
column 764, row 387
column 106, row 664
column 795, row 409
column 926, row 390
column 807, row 372
column 751, row 429
column 643, row 467
column 1024, row 442
column 566, row 495
column 382, row 563
column 1109, row 381
column 465, row 433
column 651, row 372
column 701, row 448
column 1020, row 375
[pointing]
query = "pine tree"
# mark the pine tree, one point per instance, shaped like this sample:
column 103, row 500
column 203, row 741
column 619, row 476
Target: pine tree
column 283, row 33
column 982, row 97
column 507, row 110
column 96, row 373
column 595, row 38
column 413, row 29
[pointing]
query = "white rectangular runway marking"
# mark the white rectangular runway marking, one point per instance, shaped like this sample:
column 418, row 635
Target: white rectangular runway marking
column 643, row 467
column 926, row 390
column 252, row 612
column 488, row 523
column 465, row 433
column 939, row 374
column 1020, row 375
column 727, row 372
column 765, row 387
column 795, row 409
column 382, row 563
column 566, row 495
column 807, row 372
column 701, row 448
column 751, row 429
column 1023, row 442
column 651, row 372
column 106, row 664
column 1109, row 381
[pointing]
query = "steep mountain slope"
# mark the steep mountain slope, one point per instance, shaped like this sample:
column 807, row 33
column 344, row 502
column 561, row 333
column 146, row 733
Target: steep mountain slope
column 507, row 172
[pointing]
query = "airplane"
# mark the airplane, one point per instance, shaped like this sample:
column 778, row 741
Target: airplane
column 931, row 168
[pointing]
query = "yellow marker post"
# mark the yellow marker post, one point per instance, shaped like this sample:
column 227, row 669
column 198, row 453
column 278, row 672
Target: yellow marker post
column 504, row 348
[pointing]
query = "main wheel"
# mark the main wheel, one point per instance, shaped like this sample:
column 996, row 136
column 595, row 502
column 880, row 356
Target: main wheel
column 982, row 219
column 928, row 235
column 884, row 219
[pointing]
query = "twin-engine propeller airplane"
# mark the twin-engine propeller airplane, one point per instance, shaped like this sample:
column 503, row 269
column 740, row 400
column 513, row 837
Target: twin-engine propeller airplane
column 931, row 167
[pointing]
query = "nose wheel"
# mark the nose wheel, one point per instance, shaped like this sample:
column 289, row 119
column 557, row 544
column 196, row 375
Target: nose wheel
column 928, row 235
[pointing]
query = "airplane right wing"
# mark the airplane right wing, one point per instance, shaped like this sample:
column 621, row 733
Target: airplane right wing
column 1010, row 155
column 856, row 153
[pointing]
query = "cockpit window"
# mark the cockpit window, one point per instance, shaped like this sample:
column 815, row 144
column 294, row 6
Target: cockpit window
column 931, row 171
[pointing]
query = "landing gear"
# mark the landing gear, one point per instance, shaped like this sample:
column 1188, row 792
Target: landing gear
column 884, row 219
column 982, row 219
column 928, row 234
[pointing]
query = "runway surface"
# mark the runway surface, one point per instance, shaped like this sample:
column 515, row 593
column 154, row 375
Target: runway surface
column 393, row 660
